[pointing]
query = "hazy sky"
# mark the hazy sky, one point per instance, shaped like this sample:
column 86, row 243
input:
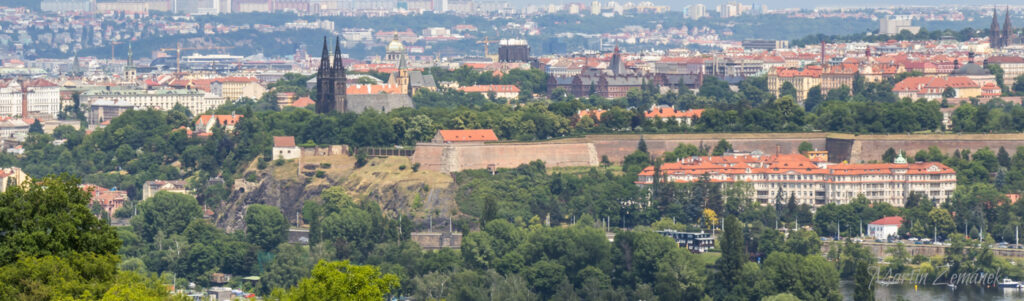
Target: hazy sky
column 773, row 4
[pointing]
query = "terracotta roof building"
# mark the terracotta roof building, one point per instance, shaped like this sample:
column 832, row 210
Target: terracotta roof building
column 285, row 148
column 671, row 114
column 456, row 136
column 108, row 199
column 205, row 123
column 814, row 183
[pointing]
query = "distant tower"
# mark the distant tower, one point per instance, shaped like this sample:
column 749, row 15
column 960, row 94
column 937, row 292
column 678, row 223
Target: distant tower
column 994, row 39
column 340, row 78
column 403, row 79
column 395, row 50
column 129, row 69
column 1008, row 35
column 330, row 81
column 618, row 68
column 76, row 68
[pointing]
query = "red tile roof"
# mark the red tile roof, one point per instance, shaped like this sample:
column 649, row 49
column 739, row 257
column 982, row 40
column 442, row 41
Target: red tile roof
column 222, row 119
column 303, row 102
column 889, row 221
column 673, row 113
column 284, row 141
column 468, row 135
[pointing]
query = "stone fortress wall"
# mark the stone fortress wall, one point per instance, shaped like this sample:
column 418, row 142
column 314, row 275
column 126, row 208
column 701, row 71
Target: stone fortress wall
column 587, row 151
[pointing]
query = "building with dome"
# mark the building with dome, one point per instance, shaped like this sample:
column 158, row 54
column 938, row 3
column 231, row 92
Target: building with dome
column 973, row 71
column 395, row 51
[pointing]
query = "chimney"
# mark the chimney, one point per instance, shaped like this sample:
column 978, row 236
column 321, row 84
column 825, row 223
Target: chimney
column 822, row 53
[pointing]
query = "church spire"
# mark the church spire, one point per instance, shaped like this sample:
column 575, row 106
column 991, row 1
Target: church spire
column 130, row 63
column 1007, row 29
column 994, row 39
column 338, row 67
column 325, row 58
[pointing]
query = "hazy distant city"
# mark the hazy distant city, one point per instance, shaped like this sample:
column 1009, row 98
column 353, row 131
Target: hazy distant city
column 498, row 150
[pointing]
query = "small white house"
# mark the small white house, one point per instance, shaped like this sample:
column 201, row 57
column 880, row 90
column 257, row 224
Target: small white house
column 885, row 227
column 285, row 148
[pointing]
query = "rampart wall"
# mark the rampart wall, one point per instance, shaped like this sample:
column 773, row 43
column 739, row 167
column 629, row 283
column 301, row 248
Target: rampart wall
column 587, row 151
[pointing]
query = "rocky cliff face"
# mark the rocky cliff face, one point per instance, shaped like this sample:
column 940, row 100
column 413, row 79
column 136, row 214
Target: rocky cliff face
column 388, row 181
column 288, row 194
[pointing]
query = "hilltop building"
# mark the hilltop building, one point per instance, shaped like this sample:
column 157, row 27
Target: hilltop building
column 331, row 89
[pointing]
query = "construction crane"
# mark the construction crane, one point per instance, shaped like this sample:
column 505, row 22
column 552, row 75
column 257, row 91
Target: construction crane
column 487, row 43
column 178, row 49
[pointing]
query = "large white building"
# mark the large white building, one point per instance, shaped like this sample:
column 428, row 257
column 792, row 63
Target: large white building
column 24, row 98
column 195, row 100
column 814, row 183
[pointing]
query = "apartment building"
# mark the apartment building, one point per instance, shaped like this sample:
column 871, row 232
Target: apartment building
column 813, row 183
column 1013, row 67
column 801, row 79
column 24, row 98
column 233, row 88
column 196, row 101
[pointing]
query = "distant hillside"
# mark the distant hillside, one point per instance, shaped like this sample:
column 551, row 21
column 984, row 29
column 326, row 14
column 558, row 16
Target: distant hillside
column 31, row 4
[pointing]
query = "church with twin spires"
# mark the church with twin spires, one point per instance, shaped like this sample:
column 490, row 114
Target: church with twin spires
column 332, row 88
column 1000, row 38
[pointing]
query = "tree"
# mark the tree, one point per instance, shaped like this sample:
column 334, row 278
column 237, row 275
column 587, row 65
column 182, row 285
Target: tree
column 814, row 98
column 949, row 92
column 340, row 280
column 734, row 254
column 35, row 128
column 899, row 259
column 889, row 155
column 865, row 289
column 787, row 89
column 1003, row 157
column 709, row 218
column 265, row 226
column 166, row 212
column 51, row 217
column 805, row 147
column 289, row 265
column 1018, row 84
column 721, row 148
column 642, row 145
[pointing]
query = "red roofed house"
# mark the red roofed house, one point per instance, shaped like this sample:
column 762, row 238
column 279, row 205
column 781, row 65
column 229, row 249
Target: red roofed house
column 931, row 88
column 666, row 113
column 456, row 136
column 303, row 102
column 507, row 92
column 108, row 199
column 885, row 227
column 594, row 114
column 285, row 148
column 205, row 122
